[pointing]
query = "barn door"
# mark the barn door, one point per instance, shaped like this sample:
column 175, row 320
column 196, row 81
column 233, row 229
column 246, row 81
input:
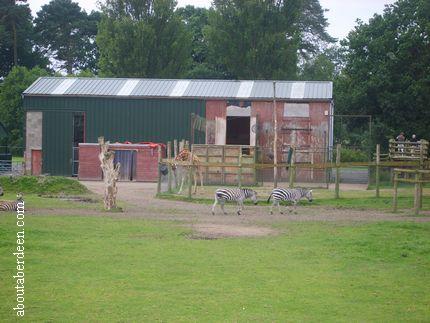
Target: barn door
column 220, row 131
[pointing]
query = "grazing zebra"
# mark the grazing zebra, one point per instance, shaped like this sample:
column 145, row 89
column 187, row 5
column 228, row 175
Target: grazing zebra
column 293, row 195
column 233, row 194
column 11, row 205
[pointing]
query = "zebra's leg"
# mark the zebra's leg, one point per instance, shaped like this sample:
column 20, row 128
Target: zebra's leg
column 278, row 203
column 213, row 206
column 221, row 202
column 271, row 207
column 240, row 206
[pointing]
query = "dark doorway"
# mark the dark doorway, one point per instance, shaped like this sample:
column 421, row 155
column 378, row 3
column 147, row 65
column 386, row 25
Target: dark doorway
column 238, row 131
column 127, row 160
column 78, row 137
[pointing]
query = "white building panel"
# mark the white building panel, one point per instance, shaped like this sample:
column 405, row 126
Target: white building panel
column 180, row 88
column 63, row 86
column 128, row 87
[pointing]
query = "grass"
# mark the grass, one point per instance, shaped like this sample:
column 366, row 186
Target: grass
column 119, row 269
column 364, row 200
column 43, row 185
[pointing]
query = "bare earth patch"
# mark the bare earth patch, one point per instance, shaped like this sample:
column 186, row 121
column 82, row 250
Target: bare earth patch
column 214, row 231
column 138, row 201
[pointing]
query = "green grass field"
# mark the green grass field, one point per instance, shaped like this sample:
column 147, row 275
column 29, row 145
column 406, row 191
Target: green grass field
column 105, row 269
column 119, row 268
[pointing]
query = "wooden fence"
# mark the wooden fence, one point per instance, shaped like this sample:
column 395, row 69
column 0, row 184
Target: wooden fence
column 420, row 177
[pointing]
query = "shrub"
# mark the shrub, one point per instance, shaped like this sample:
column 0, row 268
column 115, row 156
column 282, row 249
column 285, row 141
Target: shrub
column 42, row 185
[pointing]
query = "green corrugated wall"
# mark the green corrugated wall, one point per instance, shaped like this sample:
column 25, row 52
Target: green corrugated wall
column 158, row 120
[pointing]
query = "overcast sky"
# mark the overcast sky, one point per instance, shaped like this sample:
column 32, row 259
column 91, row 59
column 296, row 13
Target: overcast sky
column 342, row 14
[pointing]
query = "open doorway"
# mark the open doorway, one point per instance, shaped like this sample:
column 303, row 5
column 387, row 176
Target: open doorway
column 238, row 131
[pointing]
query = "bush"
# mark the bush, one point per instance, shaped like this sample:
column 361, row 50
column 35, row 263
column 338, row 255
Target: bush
column 351, row 155
column 43, row 185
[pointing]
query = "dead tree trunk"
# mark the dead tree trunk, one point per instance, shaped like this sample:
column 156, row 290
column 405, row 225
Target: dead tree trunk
column 110, row 174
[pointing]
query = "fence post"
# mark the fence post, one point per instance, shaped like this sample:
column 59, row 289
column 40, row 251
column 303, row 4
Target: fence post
column 239, row 172
column 417, row 193
column 395, row 192
column 338, row 148
column 292, row 169
column 169, row 156
column 378, row 160
column 190, row 175
column 159, row 170
column 175, row 148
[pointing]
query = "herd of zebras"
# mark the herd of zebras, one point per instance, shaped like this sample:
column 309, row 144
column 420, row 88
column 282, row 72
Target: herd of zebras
column 222, row 195
column 10, row 205
column 239, row 195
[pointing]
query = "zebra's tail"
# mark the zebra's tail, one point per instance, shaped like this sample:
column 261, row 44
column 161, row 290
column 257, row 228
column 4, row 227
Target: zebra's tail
column 270, row 196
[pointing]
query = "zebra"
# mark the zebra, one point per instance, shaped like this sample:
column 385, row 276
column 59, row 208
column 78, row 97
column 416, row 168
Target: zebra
column 233, row 194
column 11, row 205
column 293, row 195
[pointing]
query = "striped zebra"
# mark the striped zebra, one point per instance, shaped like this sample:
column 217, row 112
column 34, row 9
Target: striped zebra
column 293, row 195
column 11, row 205
column 233, row 194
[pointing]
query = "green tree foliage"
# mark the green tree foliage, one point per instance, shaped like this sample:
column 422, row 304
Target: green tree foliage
column 265, row 39
column 66, row 34
column 11, row 110
column 387, row 72
column 16, row 37
column 143, row 39
column 196, row 19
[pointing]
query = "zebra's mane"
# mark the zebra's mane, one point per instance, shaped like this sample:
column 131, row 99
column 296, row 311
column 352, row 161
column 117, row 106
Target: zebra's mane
column 247, row 192
column 303, row 191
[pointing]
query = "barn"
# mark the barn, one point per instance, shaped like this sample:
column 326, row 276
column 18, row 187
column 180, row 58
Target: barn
column 62, row 113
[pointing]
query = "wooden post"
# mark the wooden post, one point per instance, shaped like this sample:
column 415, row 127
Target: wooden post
column 275, row 140
column 159, row 171
column 395, row 192
column 417, row 194
column 190, row 178
column 175, row 148
column 223, row 168
column 421, row 154
column 421, row 177
column 378, row 160
column 169, row 156
column 292, row 169
column 110, row 174
column 336, row 189
column 239, row 171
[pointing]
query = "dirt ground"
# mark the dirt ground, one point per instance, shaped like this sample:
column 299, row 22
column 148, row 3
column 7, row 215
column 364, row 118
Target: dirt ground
column 138, row 201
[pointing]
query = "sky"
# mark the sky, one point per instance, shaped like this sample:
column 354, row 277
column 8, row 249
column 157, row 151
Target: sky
column 341, row 16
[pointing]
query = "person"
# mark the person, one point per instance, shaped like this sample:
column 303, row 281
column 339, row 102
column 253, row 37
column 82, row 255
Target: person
column 414, row 138
column 401, row 137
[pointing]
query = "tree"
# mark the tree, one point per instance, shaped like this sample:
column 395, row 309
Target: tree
column 16, row 37
column 66, row 34
column 387, row 70
column 257, row 39
column 143, row 39
column 11, row 110
column 196, row 19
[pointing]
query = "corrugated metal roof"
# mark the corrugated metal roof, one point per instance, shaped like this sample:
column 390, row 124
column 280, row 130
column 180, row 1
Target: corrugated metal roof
column 222, row 89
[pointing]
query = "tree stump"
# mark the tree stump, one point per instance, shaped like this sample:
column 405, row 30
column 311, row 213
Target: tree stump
column 110, row 174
